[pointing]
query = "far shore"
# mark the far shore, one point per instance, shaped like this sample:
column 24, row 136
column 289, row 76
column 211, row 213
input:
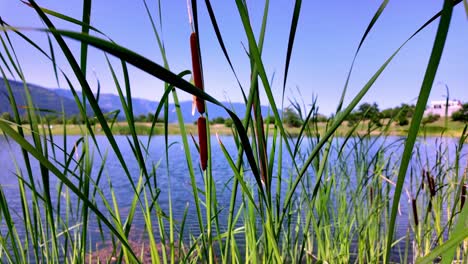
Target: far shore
column 438, row 128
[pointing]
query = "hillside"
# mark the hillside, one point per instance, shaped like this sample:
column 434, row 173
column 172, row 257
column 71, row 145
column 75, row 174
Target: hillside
column 55, row 99
column 43, row 98
column 143, row 107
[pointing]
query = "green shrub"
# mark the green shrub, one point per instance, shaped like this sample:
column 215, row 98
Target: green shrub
column 402, row 120
column 218, row 120
column 462, row 114
column 292, row 118
column 430, row 119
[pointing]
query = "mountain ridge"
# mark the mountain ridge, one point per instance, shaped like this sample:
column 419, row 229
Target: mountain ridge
column 54, row 99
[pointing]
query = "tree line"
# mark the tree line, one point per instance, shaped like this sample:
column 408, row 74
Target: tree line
column 365, row 112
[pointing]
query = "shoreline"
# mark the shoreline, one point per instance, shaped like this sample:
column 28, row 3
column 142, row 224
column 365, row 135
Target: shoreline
column 143, row 129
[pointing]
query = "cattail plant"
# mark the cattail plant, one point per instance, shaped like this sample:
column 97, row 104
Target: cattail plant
column 202, row 141
column 415, row 211
column 431, row 183
column 196, row 70
column 463, row 196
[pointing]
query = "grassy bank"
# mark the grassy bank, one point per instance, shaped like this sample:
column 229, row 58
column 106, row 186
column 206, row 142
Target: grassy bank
column 435, row 129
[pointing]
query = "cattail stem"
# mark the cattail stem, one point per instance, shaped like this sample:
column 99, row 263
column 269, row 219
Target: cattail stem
column 196, row 70
column 202, row 141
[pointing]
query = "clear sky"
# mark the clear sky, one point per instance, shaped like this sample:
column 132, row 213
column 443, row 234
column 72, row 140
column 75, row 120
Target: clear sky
column 328, row 34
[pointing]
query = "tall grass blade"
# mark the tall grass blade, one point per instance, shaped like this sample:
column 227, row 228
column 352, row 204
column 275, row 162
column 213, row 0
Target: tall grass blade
column 426, row 87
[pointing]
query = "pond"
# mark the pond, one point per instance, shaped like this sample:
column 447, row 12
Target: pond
column 358, row 158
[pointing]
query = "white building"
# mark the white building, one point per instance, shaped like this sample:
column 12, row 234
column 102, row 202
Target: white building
column 438, row 107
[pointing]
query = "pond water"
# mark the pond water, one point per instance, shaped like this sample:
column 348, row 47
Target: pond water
column 428, row 151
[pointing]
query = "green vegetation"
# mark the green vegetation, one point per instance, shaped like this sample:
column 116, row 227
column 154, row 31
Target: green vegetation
column 430, row 119
column 462, row 114
column 311, row 198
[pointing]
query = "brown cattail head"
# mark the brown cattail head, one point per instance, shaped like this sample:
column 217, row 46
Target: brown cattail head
column 431, row 184
column 371, row 195
column 196, row 70
column 202, row 141
column 415, row 212
column 463, row 196
column 422, row 180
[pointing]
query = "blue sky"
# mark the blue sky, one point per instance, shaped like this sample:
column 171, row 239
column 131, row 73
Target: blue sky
column 328, row 34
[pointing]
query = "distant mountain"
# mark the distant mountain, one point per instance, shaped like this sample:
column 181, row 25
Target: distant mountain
column 43, row 98
column 54, row 99
column 111, row 102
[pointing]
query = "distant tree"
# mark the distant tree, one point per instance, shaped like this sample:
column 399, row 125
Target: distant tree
column 388, row 113
column 462, row 114
column 401, row 114
column 352, row 118
column 291, row 118
column 411, row 110
column 150, row 117
column 321, row 118
column 269, row 120
column 52, row 119
column 370, row 112
column 218, row 120
column 403, row 109
column 7, row 116
column 141, row 118
column 93, row 120
column 228, row 122
column 74, row 119
column 402, row 120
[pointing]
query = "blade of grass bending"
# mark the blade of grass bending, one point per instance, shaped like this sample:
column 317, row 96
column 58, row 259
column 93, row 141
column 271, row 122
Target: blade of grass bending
column 33, row 230
column 85, row 30
column 423, row 97
column 238, row 177
column 68, row 18
column 292, row 35
column 135, row 146
column 81, row 107
column 54, row 64
column 256, row 55
column 162, row 103
column 15, row 244
column 83, row 46
column 340, row 117
column 454, row 241
column 86, row 90
column 33, row 118
column 168, row 87
column 465, row 4
column 12, row 61
column 369, row 28
column 462, row 224
column 214, row 23
column 239, row 162
column 5, row 127
column 157, row 71
column 128, row 114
